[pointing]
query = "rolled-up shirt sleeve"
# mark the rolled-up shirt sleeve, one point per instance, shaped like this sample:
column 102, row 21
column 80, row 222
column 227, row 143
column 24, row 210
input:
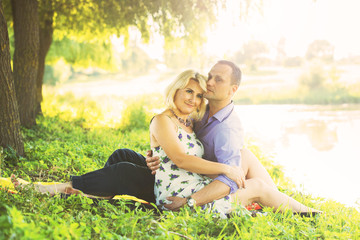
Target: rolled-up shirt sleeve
column 228, row 143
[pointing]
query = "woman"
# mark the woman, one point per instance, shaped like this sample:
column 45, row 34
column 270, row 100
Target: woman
column 103, row 182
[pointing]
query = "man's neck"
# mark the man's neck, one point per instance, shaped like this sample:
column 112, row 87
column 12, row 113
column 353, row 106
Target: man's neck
column 215, row 106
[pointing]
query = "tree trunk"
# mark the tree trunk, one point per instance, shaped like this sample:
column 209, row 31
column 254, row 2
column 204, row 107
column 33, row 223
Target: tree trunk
column 9, row 117
column 26, row 57
column 46, row 15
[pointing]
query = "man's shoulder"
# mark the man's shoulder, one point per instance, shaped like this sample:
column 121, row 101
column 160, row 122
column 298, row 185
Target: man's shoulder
column 232, row 121
column 227, row 128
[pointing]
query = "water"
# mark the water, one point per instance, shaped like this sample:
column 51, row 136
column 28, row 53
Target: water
column 319, row 146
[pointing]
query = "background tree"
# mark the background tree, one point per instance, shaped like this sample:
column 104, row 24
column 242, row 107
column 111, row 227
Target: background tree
column 320, row 49
column 26, row 33
column 280, row 51
column 9, row 118
column 92, row 21
column 296, row 61
column 313, row 78
column 252, row 54
column 46, row 15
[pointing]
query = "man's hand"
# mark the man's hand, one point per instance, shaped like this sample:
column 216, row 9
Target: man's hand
column 177, row 203
column 242, row 176
column 153, row 163
column 237, row 175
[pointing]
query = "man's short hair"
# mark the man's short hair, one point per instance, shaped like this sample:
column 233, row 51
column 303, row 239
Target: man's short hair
column 236, row 72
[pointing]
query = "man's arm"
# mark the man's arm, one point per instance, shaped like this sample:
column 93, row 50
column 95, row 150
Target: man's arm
column 227, row 145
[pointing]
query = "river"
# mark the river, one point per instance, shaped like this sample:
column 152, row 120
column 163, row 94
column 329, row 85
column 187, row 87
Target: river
column 318, row 146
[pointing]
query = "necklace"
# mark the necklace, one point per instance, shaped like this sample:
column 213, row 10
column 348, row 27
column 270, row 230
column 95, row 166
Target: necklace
column 187, row 123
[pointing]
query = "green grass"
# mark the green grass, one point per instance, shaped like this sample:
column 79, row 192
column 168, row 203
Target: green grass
column 69, row 140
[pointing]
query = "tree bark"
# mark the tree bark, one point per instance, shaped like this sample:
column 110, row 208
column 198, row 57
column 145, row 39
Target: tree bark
column 26, row 57
column 10, row 135
column 46, row 14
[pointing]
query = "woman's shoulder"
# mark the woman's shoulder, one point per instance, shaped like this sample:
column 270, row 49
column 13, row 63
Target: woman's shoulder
column 162, row 119
column 162, row 123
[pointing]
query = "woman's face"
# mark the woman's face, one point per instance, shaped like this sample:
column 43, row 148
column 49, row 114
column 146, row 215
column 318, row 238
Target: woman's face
column 189, row 98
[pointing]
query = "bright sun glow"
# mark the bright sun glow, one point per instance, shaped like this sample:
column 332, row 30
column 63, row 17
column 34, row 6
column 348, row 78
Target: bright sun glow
column 299, row 22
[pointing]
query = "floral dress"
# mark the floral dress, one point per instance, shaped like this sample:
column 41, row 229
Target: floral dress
column 173, row 181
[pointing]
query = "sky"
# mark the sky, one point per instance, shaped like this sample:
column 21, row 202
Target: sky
column 299, row 21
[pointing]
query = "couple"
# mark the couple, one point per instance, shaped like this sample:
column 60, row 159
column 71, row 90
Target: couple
column 232, row 176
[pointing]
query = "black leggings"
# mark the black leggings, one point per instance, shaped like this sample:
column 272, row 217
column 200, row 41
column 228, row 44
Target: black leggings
column 125, row 172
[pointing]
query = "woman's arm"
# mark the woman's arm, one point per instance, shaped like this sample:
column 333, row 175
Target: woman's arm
column 162, row 129
column 213, row 191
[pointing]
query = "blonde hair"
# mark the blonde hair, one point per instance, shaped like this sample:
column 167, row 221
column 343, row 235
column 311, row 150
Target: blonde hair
column 181, row 82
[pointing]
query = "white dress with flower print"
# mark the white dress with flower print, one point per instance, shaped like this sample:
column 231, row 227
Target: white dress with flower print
column 173, row 181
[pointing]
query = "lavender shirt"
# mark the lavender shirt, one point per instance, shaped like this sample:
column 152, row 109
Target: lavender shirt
column 222, row 137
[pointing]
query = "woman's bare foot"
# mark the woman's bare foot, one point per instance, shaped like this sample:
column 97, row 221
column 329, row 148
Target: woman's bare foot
column 71, row 190
column 18, row 182
column 52, row 189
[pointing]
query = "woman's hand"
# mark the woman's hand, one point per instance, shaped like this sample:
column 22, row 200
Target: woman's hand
column 236, row 174
column 177, row 203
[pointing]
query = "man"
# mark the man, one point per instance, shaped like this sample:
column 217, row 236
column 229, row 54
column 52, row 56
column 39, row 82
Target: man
column 221, row 133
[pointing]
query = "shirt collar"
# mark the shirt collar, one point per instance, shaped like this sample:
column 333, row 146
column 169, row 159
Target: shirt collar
column 223, row 113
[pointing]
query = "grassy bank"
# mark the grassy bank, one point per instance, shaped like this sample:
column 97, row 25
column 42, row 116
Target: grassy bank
column 328, row 95
column 314, row 83
column 75, row 136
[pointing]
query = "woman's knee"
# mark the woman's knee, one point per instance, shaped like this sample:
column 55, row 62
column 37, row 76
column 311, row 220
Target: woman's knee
column 127, row 171
column 122, row 153
column 126, row 155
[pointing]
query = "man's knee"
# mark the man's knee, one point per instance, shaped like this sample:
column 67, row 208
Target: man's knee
column 245, row 158
column 247, row 155
column 259, row 185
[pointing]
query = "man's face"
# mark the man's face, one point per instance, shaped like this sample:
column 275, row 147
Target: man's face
column 219, row 86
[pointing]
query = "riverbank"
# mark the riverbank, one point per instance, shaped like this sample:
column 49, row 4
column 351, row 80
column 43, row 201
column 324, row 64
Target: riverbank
column 269, row 85
column 74, row 137
column 313, row 143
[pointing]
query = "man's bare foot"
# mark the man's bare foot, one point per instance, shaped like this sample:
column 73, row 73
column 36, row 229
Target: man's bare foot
column 308, row 214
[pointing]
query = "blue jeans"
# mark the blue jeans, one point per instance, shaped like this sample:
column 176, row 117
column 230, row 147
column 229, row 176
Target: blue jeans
column 125, row 172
